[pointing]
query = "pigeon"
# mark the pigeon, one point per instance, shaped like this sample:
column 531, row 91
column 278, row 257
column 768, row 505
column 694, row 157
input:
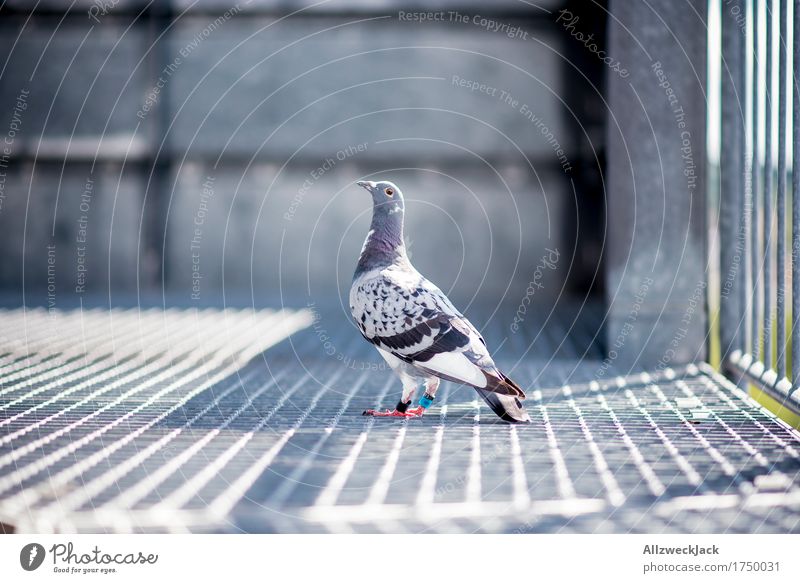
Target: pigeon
column 413, row 324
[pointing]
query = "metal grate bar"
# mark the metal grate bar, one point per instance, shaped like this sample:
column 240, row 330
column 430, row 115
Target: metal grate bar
column 472, row 492
column 756, row 252
column 377, row 494
column 665, row 440
column 226, row 360
column 796, row 198
column 613, row 492
column 283, row 448
column 284, row 491
column 143, row 487
column 89, row 424
column 140, row 489
column 188, row 489
column 752, row 451
column 691, row 475
column 766, row 433
column 769, row 168
column 331, row 492
column 745, row 186
column 768, row 367
column 654, row 484
column 40, row 349
column 102, row 369
column 781, row 291
column 426, row 492
column 72, row 359
column 718, row 458
column 566, row 488
column 521, row 497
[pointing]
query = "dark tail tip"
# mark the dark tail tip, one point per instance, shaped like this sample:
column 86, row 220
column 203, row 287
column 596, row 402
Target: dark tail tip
column 497, row 382
column 507, row 407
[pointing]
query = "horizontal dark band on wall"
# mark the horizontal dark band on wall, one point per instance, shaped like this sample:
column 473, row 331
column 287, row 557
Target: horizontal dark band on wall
column 538, row 11
column 105, row 157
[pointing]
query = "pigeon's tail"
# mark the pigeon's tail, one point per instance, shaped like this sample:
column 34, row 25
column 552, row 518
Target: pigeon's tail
column 507, row 407
column 497, row 382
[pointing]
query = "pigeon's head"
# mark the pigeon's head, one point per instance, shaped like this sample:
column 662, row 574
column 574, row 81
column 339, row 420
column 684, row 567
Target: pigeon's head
column 385, row 195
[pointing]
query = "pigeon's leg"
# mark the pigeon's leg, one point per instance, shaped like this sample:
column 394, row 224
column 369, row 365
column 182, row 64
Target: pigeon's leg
column 431, row 386
column 402, row 407
column 409, row 388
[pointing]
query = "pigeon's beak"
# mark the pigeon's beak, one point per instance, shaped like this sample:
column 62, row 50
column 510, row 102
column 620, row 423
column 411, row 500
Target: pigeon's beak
column 366, row 184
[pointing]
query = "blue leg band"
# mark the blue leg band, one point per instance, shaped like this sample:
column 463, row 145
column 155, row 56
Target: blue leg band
column 425, row 401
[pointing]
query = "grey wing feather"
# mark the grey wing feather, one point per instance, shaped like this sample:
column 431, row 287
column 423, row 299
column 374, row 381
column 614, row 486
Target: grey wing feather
column 412, row 319
column 408, row 316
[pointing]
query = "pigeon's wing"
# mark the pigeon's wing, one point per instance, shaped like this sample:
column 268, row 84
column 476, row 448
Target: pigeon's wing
column 409, row 317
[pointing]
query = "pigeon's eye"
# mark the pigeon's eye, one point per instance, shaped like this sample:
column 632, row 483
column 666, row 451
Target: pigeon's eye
column 389, row 192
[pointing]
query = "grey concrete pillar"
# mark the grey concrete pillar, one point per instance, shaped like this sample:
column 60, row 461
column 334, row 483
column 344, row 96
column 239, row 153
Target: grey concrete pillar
column 656, row 188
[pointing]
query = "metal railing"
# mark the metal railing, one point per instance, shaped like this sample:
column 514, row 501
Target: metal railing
column 755, row 315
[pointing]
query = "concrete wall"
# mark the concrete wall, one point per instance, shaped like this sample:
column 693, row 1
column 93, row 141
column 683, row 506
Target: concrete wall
column 656, row 257
column 150, row 109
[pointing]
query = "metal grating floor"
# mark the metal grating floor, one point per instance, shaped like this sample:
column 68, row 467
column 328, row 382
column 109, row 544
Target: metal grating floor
column 242, row 420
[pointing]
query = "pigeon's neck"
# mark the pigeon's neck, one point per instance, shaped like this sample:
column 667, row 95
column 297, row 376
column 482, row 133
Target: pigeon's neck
column 384, row 244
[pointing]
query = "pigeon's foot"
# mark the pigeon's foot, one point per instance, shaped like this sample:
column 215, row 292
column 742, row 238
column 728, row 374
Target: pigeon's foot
column 401, row 410
column 415, row 412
